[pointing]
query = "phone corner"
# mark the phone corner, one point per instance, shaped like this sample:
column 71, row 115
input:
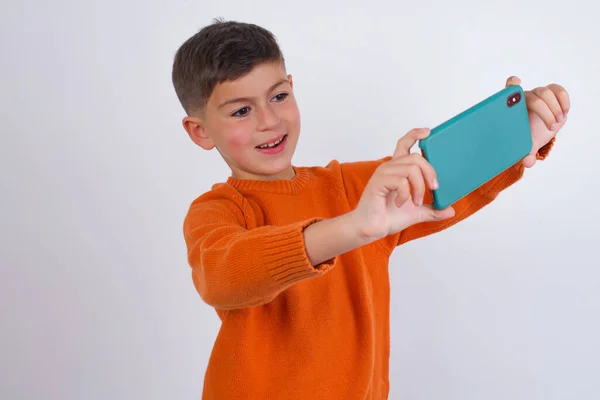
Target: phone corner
column 438, row 206
column 512, row 88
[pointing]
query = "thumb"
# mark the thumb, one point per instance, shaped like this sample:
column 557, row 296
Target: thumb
column 430, row 214
column 529, row 161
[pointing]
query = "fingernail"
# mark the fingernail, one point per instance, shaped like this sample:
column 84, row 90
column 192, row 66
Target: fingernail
column 553, row 127
column 435, row 184
column 560, row 119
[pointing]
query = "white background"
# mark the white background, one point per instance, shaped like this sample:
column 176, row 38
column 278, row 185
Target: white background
column 97, row 300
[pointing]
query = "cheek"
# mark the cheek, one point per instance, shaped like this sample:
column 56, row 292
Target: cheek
column 237, row 136
column 291, row 115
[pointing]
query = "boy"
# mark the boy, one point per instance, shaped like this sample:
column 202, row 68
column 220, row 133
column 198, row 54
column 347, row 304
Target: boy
column 294, row 259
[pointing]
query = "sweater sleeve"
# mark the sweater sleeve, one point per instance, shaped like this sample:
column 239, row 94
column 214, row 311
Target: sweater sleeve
column 233, row 267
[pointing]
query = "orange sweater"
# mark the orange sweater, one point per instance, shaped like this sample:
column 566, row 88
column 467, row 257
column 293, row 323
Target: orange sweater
column 289, row 330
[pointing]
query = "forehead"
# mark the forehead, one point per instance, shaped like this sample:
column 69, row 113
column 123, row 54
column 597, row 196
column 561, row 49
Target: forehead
column 253, row 84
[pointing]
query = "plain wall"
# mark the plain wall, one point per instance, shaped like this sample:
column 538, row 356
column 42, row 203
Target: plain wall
column 96, row 297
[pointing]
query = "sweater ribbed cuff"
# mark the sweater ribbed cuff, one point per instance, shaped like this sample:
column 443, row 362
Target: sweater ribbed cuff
column 545, row 150
column 285, row 252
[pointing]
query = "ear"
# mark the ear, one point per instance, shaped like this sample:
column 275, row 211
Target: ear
column 291, row 81
column 194, row 126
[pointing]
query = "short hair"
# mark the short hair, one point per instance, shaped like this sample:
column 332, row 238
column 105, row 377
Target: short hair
column 220, row 52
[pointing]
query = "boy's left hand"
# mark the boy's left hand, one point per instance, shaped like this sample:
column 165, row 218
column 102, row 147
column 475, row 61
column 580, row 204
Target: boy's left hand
column 547, row 107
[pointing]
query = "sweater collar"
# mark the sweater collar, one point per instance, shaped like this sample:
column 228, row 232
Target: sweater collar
column 283, row 186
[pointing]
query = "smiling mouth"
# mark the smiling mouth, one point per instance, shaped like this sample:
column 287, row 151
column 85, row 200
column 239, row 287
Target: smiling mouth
column 273, row 144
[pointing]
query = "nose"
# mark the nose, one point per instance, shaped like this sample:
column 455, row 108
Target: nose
column 267, row 119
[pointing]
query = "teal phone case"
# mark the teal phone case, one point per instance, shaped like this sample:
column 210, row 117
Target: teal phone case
column 478, row 144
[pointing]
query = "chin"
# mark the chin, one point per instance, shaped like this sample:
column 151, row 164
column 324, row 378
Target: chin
column 278, row 168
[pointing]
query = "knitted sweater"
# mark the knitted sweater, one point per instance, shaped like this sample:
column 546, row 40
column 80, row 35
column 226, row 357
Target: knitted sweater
column 290, row 330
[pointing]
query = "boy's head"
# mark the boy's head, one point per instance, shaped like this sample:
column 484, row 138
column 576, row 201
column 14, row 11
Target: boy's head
column 230, row 78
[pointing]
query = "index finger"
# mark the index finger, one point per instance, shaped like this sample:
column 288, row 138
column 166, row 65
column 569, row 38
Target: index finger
column 562, row 96
column 406, row 142
column 513, row 81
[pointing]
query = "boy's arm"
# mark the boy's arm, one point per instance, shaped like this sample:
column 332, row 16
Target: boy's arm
column 357, row 174
column 464, row 207
column 233, row 267
column 471, row 203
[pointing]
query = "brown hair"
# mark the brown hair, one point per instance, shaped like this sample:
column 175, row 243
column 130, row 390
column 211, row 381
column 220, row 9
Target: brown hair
column 222, row 51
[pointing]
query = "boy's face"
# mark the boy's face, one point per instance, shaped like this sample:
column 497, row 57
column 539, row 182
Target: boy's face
column 254, row 123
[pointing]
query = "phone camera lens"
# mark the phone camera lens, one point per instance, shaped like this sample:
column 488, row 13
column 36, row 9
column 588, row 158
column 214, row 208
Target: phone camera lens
column 513, row 99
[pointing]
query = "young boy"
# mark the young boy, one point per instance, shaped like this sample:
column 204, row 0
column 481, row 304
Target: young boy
column 294, row 259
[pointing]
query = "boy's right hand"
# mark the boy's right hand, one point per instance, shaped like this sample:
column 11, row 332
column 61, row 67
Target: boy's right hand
column 393, row 198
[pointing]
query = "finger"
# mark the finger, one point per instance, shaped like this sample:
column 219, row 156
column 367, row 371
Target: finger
column 513, row 81
column 406, row 142
column 563, row 97
column 427, row 169
column 430, row 214
column 402, row 192
column 398, row 174
column 537, row 105
column 529, row 161
column 391, row 179
column 415, row 178
column 550, row 99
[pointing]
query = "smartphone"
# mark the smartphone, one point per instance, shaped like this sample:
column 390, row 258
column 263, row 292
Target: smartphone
column 478, row 144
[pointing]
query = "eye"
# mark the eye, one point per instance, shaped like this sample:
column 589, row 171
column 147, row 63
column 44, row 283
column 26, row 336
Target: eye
column 241, row 112
column 281, row 96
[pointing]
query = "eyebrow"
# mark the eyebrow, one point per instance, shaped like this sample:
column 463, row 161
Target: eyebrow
column 246, row 99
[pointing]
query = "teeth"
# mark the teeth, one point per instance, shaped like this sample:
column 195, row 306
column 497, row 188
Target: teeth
column 275, row 143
